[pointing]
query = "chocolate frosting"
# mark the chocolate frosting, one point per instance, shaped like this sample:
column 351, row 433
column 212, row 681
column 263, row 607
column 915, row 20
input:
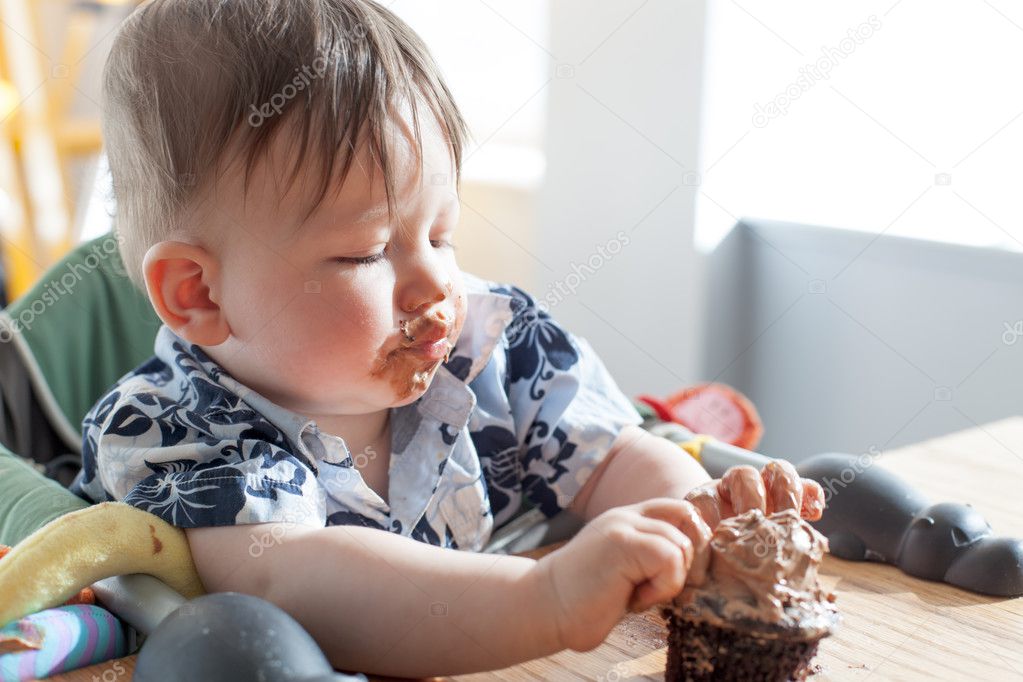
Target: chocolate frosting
column 763, row 575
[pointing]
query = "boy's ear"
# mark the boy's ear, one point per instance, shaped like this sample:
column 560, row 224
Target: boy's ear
column 182, row 283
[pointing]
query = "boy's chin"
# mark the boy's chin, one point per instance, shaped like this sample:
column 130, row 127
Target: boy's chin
column 411, row 388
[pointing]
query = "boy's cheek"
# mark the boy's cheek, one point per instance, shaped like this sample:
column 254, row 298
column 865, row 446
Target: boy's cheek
column 461, row 308
column 329, row 329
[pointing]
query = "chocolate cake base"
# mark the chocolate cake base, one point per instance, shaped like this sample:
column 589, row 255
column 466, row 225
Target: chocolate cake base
column 698, row 651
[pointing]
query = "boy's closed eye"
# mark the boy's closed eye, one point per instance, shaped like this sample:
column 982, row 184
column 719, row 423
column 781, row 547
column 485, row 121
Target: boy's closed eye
column 378, row 256
column 360, row 260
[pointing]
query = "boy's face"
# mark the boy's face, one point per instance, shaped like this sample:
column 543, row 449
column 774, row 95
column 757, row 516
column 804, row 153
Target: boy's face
column 314, row 329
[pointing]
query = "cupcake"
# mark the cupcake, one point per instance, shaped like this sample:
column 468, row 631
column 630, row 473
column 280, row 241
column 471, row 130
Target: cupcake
column 760, row 612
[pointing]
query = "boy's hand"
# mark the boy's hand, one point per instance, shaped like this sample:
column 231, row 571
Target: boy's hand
column 632, row 557
column 629, row 557
column 774, row 488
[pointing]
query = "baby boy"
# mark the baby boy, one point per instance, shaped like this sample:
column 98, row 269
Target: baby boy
column 334, row 407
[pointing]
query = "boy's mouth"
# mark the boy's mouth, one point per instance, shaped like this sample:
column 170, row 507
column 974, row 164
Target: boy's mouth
column 428, row 338
column 410, row 365
column 432, row 350
column 425, row 344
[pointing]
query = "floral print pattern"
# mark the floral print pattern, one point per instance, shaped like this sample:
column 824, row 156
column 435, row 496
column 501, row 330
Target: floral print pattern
column 519, row 416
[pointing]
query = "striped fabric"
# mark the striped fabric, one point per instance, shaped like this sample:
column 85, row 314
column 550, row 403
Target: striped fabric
column 74, row 637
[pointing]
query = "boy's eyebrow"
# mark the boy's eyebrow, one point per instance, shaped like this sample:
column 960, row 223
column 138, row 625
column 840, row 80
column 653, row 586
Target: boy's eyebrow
column 371, row 214
column 380, row 210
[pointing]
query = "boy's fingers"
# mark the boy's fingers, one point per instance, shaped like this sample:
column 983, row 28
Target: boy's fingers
column 813, row 500
column 697, row 530
column 641, row 598
column 687, row 521
column 784, row 488
column 708, row 503
column 670, row 509
column 743, row 487
column 667, row 529
column 645, row 596
column 684, row 516
column 665, row 568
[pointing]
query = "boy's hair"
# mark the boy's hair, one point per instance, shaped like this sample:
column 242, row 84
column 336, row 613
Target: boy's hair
column 192, row 84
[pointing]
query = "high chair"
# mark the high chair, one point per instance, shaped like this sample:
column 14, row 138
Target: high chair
column 80, row 328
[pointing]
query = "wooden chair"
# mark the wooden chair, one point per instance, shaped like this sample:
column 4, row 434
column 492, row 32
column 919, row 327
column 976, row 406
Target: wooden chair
column 41, row 140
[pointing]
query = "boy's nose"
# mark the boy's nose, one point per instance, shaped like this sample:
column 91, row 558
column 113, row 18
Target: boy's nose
column 428, row 289
column 420, row 304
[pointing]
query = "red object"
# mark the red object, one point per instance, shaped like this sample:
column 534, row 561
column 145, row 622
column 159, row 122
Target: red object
column 713, row 409
column 663, row 413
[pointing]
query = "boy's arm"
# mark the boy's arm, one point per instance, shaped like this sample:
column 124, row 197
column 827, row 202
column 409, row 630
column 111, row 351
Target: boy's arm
column 381, row 603
column 639, row 466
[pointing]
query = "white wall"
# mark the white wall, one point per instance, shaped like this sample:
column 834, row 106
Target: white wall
column 899, row 116
column 494, row 60
column 621, row 146
column 848, row 342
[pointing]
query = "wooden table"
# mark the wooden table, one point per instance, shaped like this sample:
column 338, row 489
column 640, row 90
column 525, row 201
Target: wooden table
column 895, row 626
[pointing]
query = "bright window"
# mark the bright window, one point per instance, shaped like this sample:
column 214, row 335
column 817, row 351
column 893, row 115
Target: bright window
column 903, row 117
column 494, row 58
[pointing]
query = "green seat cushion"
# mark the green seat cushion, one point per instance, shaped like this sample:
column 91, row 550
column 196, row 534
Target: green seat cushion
column 79, row 329
column 29, row 500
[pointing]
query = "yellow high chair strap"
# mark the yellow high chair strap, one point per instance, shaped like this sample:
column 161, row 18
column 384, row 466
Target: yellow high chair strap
column 695, row 446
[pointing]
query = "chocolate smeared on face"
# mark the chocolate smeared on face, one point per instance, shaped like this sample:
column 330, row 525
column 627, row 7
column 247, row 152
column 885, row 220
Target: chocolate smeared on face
column 408, row 372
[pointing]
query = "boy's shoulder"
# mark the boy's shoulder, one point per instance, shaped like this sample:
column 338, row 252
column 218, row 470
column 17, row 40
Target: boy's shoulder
column 178, row 410
column 154, row 385
column 179, row 385
column 177, row 370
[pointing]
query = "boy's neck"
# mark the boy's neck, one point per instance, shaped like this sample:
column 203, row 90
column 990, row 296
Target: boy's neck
column 359, row 431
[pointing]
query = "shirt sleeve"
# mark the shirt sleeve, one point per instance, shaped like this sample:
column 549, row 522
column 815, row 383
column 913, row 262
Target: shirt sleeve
column 191, row 472
column 566, row 407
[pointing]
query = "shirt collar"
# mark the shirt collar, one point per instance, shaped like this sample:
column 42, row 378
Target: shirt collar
column 448, row 397
column 488, row 313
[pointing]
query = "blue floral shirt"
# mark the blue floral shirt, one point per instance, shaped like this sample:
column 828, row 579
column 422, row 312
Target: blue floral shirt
column 519, row 416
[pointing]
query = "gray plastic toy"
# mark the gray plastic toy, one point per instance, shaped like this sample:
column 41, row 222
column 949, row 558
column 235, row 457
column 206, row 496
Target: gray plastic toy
column 229, row 636
column 219, row 637
column 873, row 515
column 877, row 516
